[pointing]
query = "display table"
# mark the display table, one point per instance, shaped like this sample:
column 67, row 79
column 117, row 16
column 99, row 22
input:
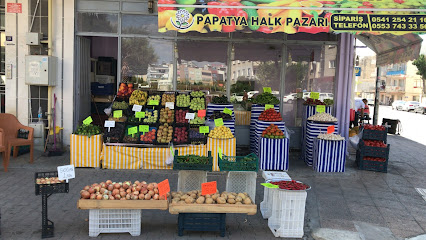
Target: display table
column 260, row 126
column 256, row 110
column 274, row 154
column 176, row 208
column 85, row 151
column 313, row 129
column 242, row 118
column 228, row 146
column 329, row 156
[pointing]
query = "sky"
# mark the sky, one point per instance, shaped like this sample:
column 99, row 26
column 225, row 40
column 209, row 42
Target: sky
column 363, row 52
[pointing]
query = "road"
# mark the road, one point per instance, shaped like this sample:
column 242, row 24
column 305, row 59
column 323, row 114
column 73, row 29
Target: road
column 413, row 124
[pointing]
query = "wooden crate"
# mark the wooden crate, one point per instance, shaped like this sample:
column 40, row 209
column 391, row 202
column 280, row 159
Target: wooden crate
column 128, row 204
column 212, row 208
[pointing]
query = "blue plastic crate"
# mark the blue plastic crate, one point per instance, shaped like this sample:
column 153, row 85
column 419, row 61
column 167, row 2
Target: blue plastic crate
column 203, row 222
column 102, row 89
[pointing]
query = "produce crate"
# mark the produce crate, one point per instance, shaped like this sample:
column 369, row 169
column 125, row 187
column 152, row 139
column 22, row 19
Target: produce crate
column 189, row 180
column 240, row 182
column 378, row 135
column 266, row 204
column 115, row 134
column 211, row 107
column 155, row 139
column 187, row 134
column 371, row 165
column 213, row 222
column 201, row 139
column 369, row 151
column 47, row 189
column 102, row 89
column 191, row 166
column 238, row 163
column 176, row 208
column 114, row 221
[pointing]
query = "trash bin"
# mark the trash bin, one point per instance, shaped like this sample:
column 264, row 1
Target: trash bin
column 393, row 124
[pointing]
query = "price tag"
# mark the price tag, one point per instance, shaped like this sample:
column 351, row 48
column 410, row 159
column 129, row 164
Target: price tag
column 87, row 121
column 268, row 106
column 140, row 115
column 144, row 128
column 218, row 122
column 314, row 95
column 118, row 113
column 269, row 185
column 320, row 108
column 137, row 108
column 204, row 129
column 189, row 116
column 330, row 129
column 171, row 151
column 109, row 124
column 132, row 130
column 163, row 188
column 220, row 153
column 170, row 105
column 66, row 172
column 153, row 102
column 201, row 113
column 267, row 90
column 227, row 111
column 208, row 188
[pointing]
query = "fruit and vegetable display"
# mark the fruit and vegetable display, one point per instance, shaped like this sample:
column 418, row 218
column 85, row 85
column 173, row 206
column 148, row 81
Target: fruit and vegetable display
column 331, row 137
column 273, row 132
column 270, row 115
column 376, row 159
column 195, row 133
column 138, row 97
column 291, row 185
column 180, row 135
column 265, row 98
column 374, row 127
column 197, row 103
column 114, row 133
column 167, row 115
column 197, row 94
column 313, row 102
column 148, row 137
column 51, row 180
column 109, row 190
column 133, row 119
column 164, row 133
column 322, row 117
column 125, row 90
column 155, row 97
column 192, row 159
column 120, row 105
column 221, row 132
column 374, row 143
column 151, row 117
column 167, row 97
column 180, row 116
column 130, row 138
column 197, row 120
column 219, row 114
column 328, row 102
column 220, row 100
column 88, row 130
column 195, row 197
column 183, row 100
column 120, row 119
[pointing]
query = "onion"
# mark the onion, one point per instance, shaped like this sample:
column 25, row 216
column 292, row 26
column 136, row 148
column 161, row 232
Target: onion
column 128, row 191
column 91, row 190
column 137, row 182
column 85, row 195
column 133, row 189
column 144, row 190
column 105, row 197
column 99, row 197
column 110, row 187
column 128, row 196
column 126, row 186
column 92, row 196
column 156, row 196
column 168, row 194
column 86, row 188
column 151, row 193
column 117, row 186
column 94, row 185
column 150, row 186
column 115, row 192
column 111, row 198
column 141, row 196
column 144, row 185
column 147, row 196
column 138, row 188
column 103, row 185
column 122, row 194
column 135, row 197
column 156, row 190
column 117, row 196
column 102, row 190
column 143, row 182
column 136, row 193
column 162, row 197
column 155, row 185
column 108, row 182
column 97, row 188
column 122, row 189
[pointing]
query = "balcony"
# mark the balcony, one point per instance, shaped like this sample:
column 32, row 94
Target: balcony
column 394, row 89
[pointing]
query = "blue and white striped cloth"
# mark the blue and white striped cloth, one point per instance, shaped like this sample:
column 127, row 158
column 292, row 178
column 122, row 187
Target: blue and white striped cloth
column 313, row 129
column 226, row 123
column 256, row 110
column 219, row 107
column 260, row 126
column 329, row 156
column 273, row 154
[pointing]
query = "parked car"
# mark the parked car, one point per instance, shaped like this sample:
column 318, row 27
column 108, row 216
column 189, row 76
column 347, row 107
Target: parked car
column 370, row 101
column 306, row 95
column 238, row 98
column 290, row 98
column 398, row 105
column 252, row 93
column 411, row 105
column 420, row 109
column 324, row 96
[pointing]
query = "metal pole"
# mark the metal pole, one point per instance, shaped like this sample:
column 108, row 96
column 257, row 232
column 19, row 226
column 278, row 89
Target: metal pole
column 376, row 99
column 229, row 60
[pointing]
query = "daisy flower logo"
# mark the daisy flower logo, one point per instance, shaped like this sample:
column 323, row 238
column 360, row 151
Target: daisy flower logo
column 182, row 18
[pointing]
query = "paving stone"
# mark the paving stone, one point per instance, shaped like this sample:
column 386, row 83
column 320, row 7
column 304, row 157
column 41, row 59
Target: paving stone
column 373, row 232
column 332, row 234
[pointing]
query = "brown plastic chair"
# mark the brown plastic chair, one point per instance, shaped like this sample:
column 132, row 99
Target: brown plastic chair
column 10, row 126
column 3, row 145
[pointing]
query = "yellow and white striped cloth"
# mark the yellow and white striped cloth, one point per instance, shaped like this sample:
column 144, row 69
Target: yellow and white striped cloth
column 228, row 146
column 85, row 151
column 242, row 118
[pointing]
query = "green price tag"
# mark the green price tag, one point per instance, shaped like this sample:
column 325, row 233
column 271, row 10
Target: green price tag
column 220, row 153
column 269, row 185
column 171, row 151
column 87, row 121
column 314, row 95
column 268, row 106
column 143, row 128
column 118, row 113
column 140, row 115
column 267, row 90
column 218, row 122
column 227, row 111
column 132, row 130
column 320, row 108
column 153, row 102
column 204, row 129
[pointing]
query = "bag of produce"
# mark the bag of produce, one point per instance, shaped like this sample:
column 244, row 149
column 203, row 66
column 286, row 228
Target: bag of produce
column 170, row 155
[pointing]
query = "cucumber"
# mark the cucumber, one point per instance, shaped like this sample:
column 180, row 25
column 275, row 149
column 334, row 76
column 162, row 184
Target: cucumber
column 251, row 13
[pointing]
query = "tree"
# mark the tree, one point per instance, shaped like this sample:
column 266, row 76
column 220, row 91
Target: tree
column 242, row 84
column 268, row 74
column 420, row 63
column 137, row 54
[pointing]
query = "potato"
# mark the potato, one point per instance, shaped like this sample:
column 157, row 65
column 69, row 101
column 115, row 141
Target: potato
column 189, row 200
column 175, row 200
column 224, row 195
column 180, row 193
column 182, row 202
column 200, row 200
column 194, row 196
column 174, row 194
column 231, row 196
column 184, row 197
column 233, row 193
column 238, row 199
column 215, row 196
column 208, row 196
column 221, row 200
column 247, row 200
column 242, row 195
column 231, row 201
column 209, row 201
column 238, row 203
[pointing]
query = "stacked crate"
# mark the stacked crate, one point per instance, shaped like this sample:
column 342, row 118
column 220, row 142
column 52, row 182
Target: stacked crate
column 373, row 158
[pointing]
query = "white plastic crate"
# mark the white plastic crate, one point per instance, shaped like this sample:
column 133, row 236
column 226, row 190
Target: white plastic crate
column 114, row 221
column 288, row 213
column 266, row 204
column 189, row 180
column 240, row 182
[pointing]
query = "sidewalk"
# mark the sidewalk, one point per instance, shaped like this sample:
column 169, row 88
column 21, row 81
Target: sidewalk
column 353, row 201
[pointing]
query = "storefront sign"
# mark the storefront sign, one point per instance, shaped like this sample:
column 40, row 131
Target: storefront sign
column 14, row 8
column 208, row 188
column 66, row 172
column 357, row 71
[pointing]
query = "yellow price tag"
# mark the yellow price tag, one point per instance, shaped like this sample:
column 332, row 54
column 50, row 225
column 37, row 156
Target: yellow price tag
column 314, row 95
column 227, row 111
column 132, row 130
column 153, row 102
column 204, row 129
column 218, row 122
column 143, row 128
column 268, row 106
column 220, row 152
column 88, row 120
column 118, row 113
column 267, row 90
column 140, row 115
column 320, row 108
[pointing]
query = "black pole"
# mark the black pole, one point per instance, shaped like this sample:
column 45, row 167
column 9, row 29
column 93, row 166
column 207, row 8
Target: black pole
column 376, row 99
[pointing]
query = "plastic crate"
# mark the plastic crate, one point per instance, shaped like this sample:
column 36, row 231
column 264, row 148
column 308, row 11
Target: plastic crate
column 114, row 221
column 288, row 213
column 369, row 134
column 266, row 205
column 191, row 166
column 102, row 89
column 111, row 136
column 369, row 151
column 240, row 182
column 237, row 163
column 47, row 189
column 371, row 165
column 189, row 180
column 214, row 222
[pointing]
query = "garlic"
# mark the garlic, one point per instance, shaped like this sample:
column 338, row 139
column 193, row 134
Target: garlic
column 332, row 137
column 322, row 117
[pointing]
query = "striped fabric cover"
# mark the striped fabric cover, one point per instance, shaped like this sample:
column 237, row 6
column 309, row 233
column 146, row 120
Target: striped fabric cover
column 219, row 107
column 242, row 118
column 274, row 154
column 228, row 146
column 329, row 156
column 85, row 151
column 259, row 127
column 256, row 110
column 313, row 129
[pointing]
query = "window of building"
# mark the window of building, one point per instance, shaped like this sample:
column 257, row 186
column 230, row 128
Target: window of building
column 97, row 22
column 234, row 75
column 395, row 82
column 238, row 74
column 332, row 64
column 244, row 73
column 249, row 72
